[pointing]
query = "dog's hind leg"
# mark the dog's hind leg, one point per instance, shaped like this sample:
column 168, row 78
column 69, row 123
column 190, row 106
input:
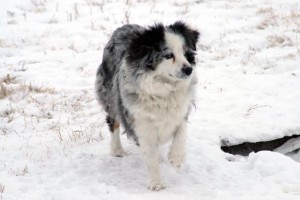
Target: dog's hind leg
column 116, row 148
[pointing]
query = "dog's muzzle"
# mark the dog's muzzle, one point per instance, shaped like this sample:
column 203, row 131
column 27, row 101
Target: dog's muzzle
column 187, row 70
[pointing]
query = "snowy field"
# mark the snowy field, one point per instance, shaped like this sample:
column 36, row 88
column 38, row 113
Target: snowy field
column 54, row 143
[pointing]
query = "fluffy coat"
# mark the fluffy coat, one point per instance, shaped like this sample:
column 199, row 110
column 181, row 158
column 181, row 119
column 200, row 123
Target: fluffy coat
column 146, row 82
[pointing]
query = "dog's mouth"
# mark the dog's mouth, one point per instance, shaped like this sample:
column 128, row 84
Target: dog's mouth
column 179, row 76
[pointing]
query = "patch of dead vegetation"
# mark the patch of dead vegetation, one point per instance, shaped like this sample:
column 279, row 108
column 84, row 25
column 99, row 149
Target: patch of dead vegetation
column 265, row 10
column 290, row 56
column 273, row 18
column 8, row 113
column 2, row 188
column 10, row 85
column 38, row 89
column 38, row 6
column 270, row 20
column 279, row 41
column 8, row 79
column 4, row 91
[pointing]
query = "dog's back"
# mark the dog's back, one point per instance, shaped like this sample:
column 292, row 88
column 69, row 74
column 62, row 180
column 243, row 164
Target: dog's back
column 113, row 55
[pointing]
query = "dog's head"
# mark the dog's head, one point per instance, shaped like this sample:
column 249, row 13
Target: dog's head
column 168, row 52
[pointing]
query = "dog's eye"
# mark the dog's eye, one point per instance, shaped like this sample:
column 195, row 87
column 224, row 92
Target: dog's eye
column 169, row 56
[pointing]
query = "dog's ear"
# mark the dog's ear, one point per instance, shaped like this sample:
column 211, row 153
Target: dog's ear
column 144, row 46
column 191, row 36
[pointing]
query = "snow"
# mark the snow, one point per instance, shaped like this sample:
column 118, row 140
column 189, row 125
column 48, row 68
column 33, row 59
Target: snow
column 54, row 143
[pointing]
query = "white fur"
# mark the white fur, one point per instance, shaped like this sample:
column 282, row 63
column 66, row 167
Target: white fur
column 156, row 122
column 160, row 110
column 116, row 148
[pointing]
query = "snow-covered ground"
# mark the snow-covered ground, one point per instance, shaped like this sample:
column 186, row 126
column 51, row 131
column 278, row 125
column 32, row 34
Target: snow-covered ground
column 54, row 143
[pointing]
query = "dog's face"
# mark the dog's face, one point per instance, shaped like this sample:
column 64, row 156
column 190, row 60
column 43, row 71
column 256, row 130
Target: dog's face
column 164, row 52
column 174, row 63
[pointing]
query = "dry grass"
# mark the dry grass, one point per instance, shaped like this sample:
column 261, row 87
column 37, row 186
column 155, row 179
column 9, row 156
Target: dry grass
column 82, row 135
column 38, row 89
column 265, row 10
column 8, row 79
column 254, row 107
column 18, row 172
column 76, row 11
column 75, row 135
column 96, row 3
column 273, row 18
column 67, row 129
column 2, row 188
column 6, row 90
column 279, row 41
column 270, row 20
column 39, row 6
column 8, row 113
column 290, row 56
column 127, row 17
column 25, row 170
column 59, row 135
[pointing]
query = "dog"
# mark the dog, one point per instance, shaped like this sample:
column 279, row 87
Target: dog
column 146, row 83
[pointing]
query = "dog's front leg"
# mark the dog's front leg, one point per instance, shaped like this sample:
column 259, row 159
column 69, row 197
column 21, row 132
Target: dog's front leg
column 177, row 151
column 150, row 149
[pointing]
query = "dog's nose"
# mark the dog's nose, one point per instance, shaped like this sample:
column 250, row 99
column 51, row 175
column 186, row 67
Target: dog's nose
column 186, row 70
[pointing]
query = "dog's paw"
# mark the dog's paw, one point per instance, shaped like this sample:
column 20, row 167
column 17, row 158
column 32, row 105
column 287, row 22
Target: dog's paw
column 156, row 186
column 176, row 159
column 118, row 152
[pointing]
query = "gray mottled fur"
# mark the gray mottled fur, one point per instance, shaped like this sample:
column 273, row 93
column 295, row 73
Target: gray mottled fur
column 108, row 79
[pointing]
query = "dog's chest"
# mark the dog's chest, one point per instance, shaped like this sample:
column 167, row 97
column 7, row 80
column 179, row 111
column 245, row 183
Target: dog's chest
column 161, row 116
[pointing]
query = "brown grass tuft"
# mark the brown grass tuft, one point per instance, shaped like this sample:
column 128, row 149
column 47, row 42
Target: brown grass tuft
column 38, row 89
column 4, row 91
column 282, row 41
column 8, row 79
column 265, row 10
